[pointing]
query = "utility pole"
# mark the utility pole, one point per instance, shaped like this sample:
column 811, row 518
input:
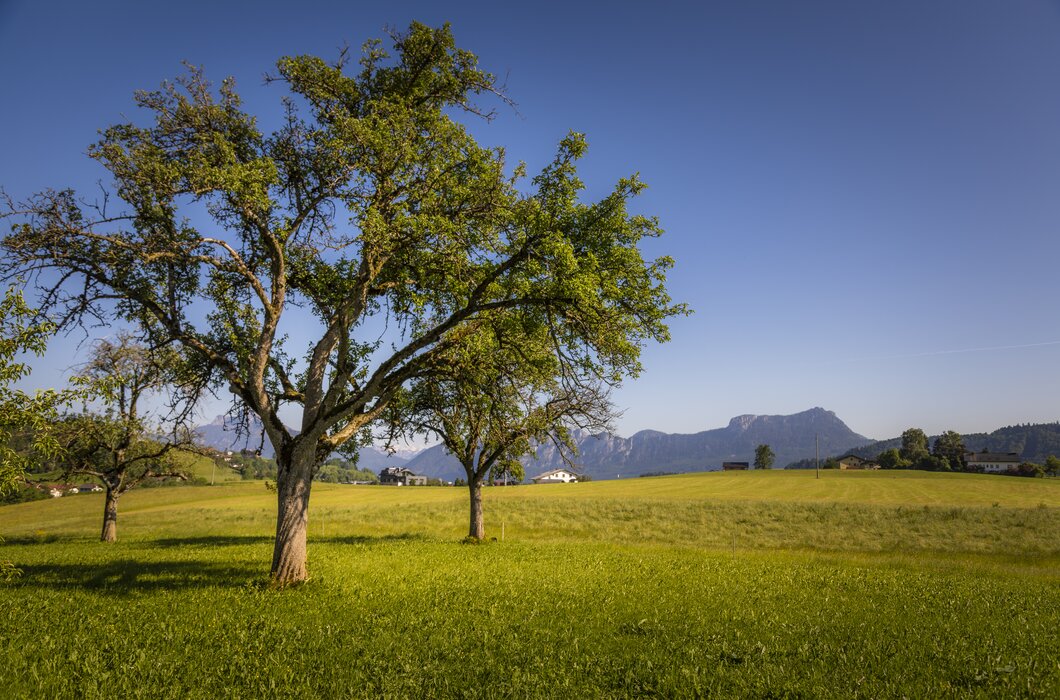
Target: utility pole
column 817, row 449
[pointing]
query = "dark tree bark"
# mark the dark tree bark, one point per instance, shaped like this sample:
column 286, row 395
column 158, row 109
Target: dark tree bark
column 110, row 517
column 477, row 528
column 292, row 518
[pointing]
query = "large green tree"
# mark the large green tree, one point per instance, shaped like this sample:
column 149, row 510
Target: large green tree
column 914, row 446
column 950, row 448
column 370, row 225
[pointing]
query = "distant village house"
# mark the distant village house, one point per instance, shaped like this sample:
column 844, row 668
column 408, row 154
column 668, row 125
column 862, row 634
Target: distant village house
column 556, row 476
column 992, row 462
column 735, row 466
column 60, row 490
column 855, row 462
column 400, row 476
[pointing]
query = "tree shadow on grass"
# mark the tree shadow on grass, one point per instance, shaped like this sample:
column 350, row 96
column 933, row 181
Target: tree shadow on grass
column 369, row 539
column 126, row 576
column 211, row 541
column 242, row 540
column 45, row 538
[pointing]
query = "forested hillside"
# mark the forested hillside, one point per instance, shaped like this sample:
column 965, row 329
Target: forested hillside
column 1033, row 442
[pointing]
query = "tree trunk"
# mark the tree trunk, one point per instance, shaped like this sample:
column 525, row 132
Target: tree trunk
column 110, row 517
column 293, row 482
column 477, row 528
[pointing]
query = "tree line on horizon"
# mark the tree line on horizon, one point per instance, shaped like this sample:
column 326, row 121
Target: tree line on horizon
column 948, row 451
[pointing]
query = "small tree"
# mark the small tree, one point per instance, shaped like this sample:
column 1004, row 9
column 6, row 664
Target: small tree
column 892, row 459
column 503, row 394
column 1052, row 465
column 764, row 457
column 1030, row 469
column 119, row 446
column 933, row 463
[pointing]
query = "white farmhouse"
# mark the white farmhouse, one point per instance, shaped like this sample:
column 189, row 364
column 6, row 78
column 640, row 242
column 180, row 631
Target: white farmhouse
column 992, row 462
column 556, row 476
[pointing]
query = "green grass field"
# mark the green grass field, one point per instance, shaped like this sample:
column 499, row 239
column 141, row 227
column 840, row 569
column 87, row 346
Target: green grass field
column 197, row 466
column 773, row 584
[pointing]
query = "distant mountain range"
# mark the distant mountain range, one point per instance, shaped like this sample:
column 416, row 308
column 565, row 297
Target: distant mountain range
column 222, row 434
column 606, row 456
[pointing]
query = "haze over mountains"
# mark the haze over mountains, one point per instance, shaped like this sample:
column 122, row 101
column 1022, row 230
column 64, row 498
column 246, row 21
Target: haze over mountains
column 606, row 456
column 222, row 433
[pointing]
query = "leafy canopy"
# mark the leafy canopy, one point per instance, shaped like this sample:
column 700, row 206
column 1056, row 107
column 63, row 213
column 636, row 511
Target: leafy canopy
column 125, row 442
column 371, row 204
column 22, row 331
column 500, row 396
column 764, row 457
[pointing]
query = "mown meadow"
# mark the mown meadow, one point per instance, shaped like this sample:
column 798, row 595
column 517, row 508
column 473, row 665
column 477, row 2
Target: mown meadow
column 770, row 584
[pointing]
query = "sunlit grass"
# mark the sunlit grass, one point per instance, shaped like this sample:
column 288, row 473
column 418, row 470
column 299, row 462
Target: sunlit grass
column 204, row 468
column 899, row 585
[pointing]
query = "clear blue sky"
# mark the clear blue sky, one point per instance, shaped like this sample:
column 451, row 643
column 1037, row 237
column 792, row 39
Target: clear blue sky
column 863, row 199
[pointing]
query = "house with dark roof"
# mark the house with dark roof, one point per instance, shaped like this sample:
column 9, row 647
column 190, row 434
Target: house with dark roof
column 400, row 476
column 556, row 476
column 855, row 462
column 735, row 466
column 992, row 462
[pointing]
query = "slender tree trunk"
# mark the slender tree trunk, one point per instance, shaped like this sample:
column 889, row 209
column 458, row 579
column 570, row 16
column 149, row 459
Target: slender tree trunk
column 110, row 517
column 293, row 483
column 477, row 528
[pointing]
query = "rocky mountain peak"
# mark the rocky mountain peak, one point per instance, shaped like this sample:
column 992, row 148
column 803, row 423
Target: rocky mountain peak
column 605, row 456
column 742, row 423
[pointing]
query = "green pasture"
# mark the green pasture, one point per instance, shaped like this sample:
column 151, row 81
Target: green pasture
column 198, row 468
column 772, row 584
column 204, row 468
